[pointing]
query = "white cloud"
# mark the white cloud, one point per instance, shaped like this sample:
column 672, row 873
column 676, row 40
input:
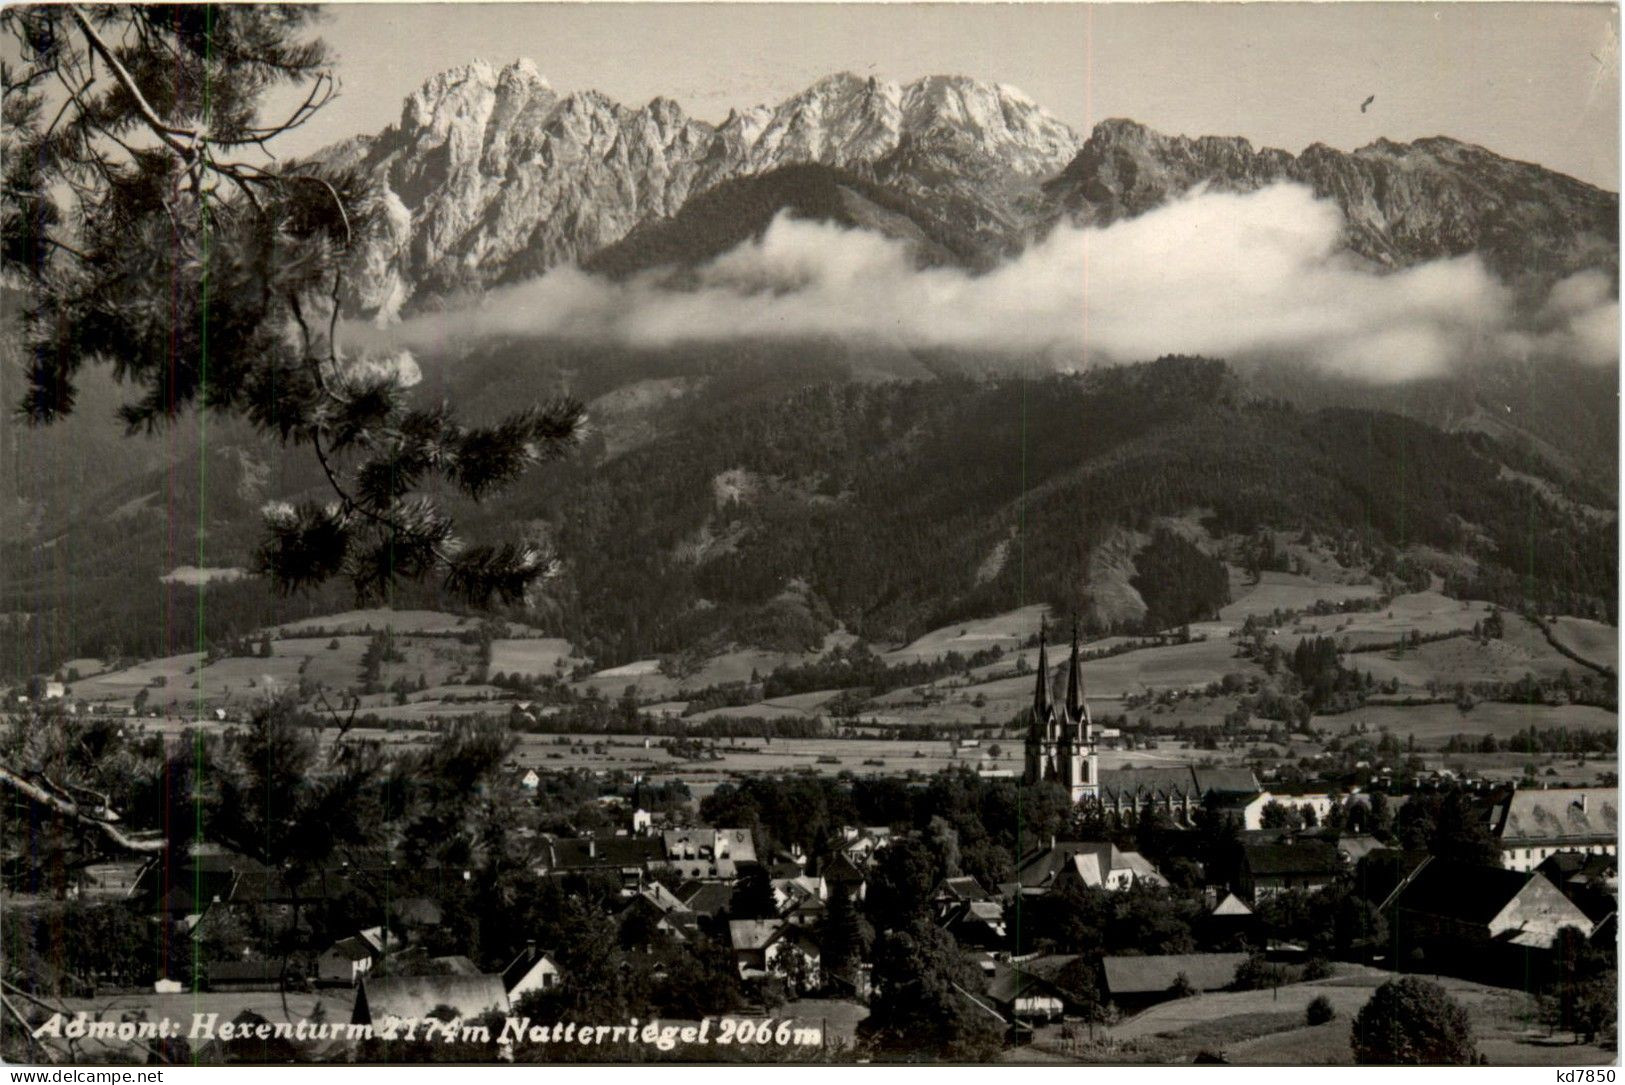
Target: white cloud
column 1261, row 275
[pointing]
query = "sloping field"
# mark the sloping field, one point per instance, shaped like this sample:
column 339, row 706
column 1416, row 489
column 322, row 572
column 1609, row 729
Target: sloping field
column 1463, row 660
column 1589, row 640
column 1435, row 723
column 124, row 684
column 1288, row 591
column 1426, row 613
column 1008, row 631
column 336, row 668
column 1500, row 1020
column 539, row 657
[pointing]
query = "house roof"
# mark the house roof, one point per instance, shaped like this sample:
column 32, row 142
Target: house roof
column 1381, row 872
column 1559, row 814
column 753, row 934
column 1231, row 905
column 1477, row 895
column 661, row 898
column 1036, row 976
column 610, row 852
column 963, row 887
column 706, row 898
column 383, row 997
column 740, row 844
column 839, row 868
column 1150, row 975
column 522, row 965
column 353, row 948
column 1471, row 894
column 1183, row 781
column 1306, row 857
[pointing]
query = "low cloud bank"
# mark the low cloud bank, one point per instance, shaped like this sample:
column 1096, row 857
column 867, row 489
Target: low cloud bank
column 1255, row 276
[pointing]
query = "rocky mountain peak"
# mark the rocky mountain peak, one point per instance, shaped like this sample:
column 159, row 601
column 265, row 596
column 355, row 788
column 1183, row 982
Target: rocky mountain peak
column 492, row 175
column 1403, row 202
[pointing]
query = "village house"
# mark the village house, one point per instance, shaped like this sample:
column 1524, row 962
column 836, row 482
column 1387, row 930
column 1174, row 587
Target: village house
column 1093, row 864
column 531, row 970
column 1267, row 869
column 1479, row 922
column 760, row 946
column 698, row 854
column 978, row 924
column 800, row 899
column 1032, row 989
column 1534, row 824
column 630, row 857
column 1134, row 983
column 859, row 843
column 346, row 961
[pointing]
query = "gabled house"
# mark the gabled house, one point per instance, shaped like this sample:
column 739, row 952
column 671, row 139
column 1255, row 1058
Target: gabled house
column 1032, row 989
column 706, row 898
column 800, row 899
column 1267, row 869
column 761, row 945
column 1094, row 864
column 1471, row 905
column 346, row 961
column 839, row 869
column 1590, row 881
column 631, row 857
column 978, row 923
column 701, row 853
column 1136, row 982
column 532, row 970
column 1482, row 922
column 1534, row 824
column 959, row 890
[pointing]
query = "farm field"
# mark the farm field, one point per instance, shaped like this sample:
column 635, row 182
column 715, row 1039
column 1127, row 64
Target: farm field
column 537, row 656
column 1287, row 591
column 1267, row 1027
column 1445, row 663
column 1589, row 640
column 1434, row 724
column 1007, row 631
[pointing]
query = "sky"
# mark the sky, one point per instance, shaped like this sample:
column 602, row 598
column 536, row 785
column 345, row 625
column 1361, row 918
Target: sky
column 1537, row 81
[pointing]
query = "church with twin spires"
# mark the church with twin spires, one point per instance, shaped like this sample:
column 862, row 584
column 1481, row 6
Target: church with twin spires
column 1061, row 744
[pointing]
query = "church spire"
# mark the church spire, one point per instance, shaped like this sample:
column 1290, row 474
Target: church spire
column 1041, row 705
column 1074, row 683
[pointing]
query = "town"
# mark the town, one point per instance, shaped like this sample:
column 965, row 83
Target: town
column 1057, row 912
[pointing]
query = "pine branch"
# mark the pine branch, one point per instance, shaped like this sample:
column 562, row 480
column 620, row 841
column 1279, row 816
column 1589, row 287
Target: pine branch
column 73, row 811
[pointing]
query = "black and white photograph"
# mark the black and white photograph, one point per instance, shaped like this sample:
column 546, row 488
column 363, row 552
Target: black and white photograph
column 809, row 534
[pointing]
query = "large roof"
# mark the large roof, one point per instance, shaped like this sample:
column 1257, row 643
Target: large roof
column 1472, row 894
column 1176, row 781
column 605, row 852
column 1560, row 814
column 1151, row 975
column 1304, row 857
column 749, row 934
column 383, row 997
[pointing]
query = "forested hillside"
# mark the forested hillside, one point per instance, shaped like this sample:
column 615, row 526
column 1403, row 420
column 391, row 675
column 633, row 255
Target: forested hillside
column 769, row 512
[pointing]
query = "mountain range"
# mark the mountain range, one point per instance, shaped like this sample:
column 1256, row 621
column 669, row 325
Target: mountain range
column 833, row 449
column 491, row 175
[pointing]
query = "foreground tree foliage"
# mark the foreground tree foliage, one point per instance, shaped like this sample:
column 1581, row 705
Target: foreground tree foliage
column 1413, row 1022
column 157, row 234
